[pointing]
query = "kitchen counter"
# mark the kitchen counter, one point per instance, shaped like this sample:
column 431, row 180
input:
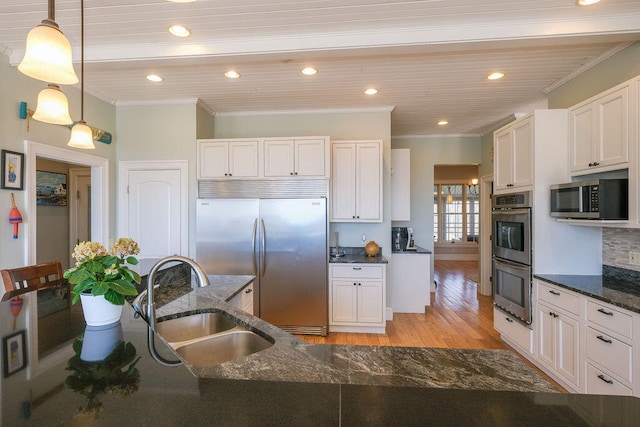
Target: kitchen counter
column 616, row 286
column 418, row 250
column 355, row 255
column 296, row 383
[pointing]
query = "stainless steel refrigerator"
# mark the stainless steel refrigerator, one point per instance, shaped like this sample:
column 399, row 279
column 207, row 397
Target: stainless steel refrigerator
column 283, row 242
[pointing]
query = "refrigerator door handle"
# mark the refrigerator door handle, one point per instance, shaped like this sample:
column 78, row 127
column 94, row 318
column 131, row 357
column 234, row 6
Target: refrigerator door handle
column 263, row 251
column 253, row 246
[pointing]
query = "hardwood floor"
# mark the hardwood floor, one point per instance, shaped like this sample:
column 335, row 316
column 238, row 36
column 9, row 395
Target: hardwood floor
column 458, row 317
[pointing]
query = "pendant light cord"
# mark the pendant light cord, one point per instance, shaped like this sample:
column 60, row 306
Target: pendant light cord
column 82, row 60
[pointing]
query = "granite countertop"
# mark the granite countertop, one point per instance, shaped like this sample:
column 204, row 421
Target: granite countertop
column 355, row 255
column 292, row 359
column 335, row 385
column 418, row 250
column 616, row 286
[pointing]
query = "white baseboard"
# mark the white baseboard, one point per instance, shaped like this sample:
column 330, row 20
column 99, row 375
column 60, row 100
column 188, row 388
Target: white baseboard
column 389, row 315
column 455, row 257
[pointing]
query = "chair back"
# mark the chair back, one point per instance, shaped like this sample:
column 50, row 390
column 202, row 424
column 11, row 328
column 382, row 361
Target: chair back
column 31, row 278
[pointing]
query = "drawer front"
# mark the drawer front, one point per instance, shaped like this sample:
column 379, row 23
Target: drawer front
column 598, row 382
column 358, row 271
column 612, row 319
column 514, row 330
column 562, row 299
column 610, row 353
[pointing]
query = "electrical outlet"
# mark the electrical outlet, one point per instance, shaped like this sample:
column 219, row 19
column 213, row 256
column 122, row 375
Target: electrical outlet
column 634, row 257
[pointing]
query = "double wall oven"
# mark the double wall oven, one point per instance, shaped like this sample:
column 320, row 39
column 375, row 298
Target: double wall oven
column 512, row 248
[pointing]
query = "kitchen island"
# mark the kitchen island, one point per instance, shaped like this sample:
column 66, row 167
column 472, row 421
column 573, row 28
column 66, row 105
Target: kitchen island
column 295, row 383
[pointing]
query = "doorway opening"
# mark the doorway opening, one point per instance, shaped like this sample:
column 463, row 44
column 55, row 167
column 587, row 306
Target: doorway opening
column 41, row 246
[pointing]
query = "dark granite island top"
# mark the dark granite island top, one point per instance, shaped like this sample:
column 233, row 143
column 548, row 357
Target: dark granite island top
column 347, row 385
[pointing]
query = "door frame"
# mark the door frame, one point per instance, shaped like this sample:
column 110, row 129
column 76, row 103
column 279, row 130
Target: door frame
column 124, row 167
column 99, row 230
column 486, row 185
column 74, row 174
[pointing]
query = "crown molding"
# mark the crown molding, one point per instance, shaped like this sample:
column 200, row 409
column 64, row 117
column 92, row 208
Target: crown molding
column 385, row 109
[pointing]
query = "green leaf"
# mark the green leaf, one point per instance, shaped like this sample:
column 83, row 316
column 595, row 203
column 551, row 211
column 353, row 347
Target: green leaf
column 123, row 287
column 132, row 260
column 114, row 297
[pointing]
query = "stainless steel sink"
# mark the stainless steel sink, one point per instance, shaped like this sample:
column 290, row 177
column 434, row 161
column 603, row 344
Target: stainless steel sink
column 208, row 339
column 224, row 347
column 193, row 326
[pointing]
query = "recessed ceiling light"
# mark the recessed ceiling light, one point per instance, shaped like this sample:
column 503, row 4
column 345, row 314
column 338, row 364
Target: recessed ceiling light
column 232, row 74
column 309, row 71
column 443, row 122
column 586, row 2
column 371, row 91
column 154, row 78
column 495, row 76
column 179, row 31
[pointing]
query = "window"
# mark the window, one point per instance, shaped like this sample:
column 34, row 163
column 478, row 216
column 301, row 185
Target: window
column 456, row 216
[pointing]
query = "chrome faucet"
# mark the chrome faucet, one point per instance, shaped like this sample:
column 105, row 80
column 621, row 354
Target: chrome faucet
column 150, row 313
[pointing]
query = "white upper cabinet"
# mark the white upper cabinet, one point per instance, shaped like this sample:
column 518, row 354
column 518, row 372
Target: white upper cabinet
column 227, row 159
column 263, row 157
column 600, row 132
column 356, row 181
column 513, row 155
column 304, row 157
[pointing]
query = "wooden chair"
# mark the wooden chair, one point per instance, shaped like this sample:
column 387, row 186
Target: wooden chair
column 31, row 278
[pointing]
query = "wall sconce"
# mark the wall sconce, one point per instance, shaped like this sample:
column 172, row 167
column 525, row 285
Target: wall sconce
column 98, row 134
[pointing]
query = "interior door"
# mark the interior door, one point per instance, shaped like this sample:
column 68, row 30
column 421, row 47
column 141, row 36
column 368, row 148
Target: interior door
column 153, row 207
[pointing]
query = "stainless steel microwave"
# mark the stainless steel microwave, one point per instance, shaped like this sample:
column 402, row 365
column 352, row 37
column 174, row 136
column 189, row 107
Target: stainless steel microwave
column 594, row 199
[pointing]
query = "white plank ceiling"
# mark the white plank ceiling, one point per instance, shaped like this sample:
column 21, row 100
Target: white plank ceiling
column 428, row 58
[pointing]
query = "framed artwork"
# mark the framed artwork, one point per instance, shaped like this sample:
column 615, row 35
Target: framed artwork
column 12, row 170
column 51, row 189
column 14, row 353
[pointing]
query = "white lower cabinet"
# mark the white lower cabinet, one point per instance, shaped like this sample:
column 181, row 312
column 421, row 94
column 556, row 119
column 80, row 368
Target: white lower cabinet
column 515, row 333
column 588, row 346
column 559, row 344
column 244, row 300
column 357, row 298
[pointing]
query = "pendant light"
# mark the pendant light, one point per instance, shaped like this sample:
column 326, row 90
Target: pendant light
column 47, row 54
column 449, row 195
column 81, row 134
column 52, row 106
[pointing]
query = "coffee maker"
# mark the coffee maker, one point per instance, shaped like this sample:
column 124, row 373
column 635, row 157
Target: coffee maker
column 399, row 238
column 411, row 244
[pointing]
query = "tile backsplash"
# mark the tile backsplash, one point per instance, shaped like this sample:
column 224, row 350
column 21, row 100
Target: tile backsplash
column 616, row 245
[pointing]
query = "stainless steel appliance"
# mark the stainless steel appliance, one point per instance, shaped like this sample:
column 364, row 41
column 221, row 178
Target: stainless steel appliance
column 594, row 199
column 512, row 254
column 283, row 242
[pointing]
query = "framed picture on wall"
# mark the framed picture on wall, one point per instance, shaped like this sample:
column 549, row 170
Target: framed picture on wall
column 12, row 170
column 14, row 353
column 51, row 189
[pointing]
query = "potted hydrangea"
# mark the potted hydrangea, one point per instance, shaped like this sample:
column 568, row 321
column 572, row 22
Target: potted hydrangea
column 102, row 279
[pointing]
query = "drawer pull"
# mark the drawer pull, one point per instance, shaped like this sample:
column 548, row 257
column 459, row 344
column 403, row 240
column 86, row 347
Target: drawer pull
column 556, row 293
column 508, row 319
column 248, row 291
column 357, row 268
column 604, row 379
column 603, row 311
column 601, row 338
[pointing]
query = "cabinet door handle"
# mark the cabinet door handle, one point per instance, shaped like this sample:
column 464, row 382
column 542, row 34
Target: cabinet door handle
column 601, row 338
column 359, row 284
column 591, row 164
column 603, row 311
column 248, row 291
column 556, row 293
column 290, row 173
column 604, row 379
column 551, row 313
column 508, row 319
column 354, row 284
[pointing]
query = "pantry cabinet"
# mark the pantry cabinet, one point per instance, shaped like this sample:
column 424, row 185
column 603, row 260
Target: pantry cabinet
column 228, row 159
column 356, row 181
column 303, row 157
column 513, row 156
column 357, row 298
column 599, row 132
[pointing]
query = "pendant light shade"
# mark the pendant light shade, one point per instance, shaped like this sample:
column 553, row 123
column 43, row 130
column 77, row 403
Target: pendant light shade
column 81, row 136
column 48, row 55
column 53, row 106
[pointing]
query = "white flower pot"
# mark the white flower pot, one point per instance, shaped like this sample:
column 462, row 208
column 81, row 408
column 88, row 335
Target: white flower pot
column 98, row 311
